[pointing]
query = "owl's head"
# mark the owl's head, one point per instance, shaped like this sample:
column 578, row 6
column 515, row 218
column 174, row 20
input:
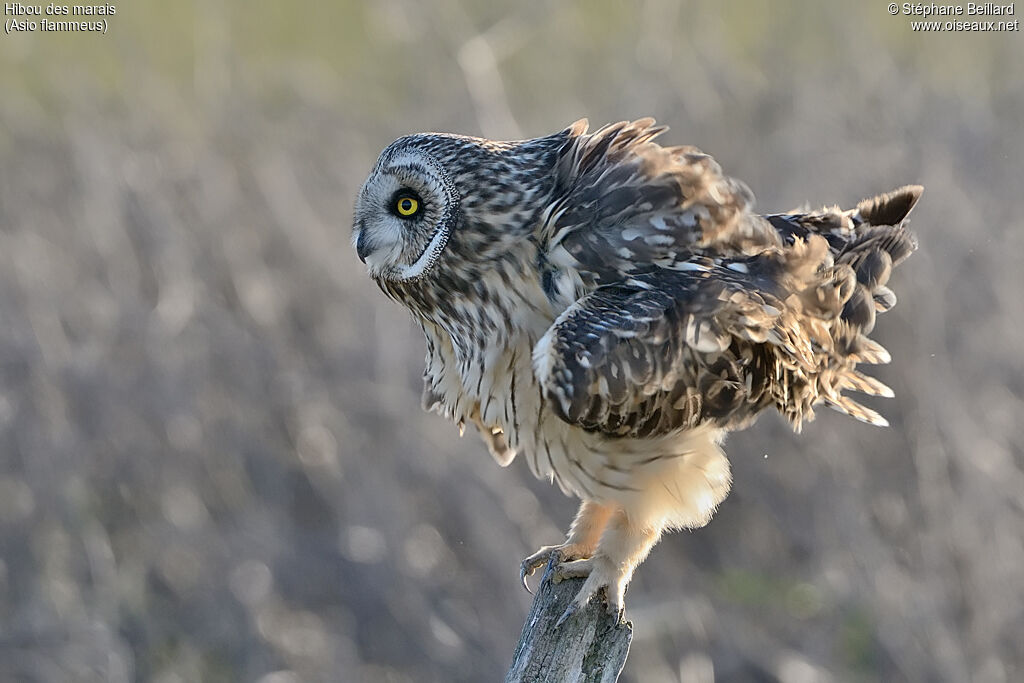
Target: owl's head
column 434, row 194
column 405, row 212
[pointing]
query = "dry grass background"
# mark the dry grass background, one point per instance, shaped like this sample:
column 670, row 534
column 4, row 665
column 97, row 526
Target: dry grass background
column 213, row 465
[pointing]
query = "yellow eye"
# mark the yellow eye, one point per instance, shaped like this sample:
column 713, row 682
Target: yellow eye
column 407, row 206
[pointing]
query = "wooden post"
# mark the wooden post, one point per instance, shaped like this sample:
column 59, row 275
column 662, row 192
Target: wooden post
column 590, row 647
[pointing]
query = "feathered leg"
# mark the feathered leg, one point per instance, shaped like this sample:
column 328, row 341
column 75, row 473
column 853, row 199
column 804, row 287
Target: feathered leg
column 581, row 541
column 682, row 495
column 624, row 545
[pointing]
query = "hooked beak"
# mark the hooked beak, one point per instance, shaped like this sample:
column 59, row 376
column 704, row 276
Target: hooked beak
column 362, row 249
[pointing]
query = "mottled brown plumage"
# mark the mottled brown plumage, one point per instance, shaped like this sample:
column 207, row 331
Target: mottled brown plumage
column 610, row 308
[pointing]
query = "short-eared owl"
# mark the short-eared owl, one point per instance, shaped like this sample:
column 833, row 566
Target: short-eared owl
column 610, row 308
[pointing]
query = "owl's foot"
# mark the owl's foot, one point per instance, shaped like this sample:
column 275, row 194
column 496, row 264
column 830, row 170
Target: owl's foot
column 623, row 545
column 562, row 553
column 584, row 535
column 601, row 573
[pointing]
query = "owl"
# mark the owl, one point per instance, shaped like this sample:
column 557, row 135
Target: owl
column 608, row 309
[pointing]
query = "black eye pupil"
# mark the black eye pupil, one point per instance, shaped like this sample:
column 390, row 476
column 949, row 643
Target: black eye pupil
column 406, row 204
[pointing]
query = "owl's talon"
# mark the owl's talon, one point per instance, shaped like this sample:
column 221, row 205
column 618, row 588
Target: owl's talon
column 533, row 562
column 558, row 555
column 569, row 611
column 526, row 571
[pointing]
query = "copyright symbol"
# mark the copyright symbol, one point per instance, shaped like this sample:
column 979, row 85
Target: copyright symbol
column 894, row 8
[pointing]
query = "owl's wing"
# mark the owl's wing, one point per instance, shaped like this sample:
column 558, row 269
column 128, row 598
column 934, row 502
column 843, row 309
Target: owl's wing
column 623, row 203
column 715, row 342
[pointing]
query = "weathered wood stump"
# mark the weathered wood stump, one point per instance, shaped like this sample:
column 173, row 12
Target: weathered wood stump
column 590, row 646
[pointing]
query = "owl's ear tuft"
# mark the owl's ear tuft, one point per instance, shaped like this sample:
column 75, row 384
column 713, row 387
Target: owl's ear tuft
column 578, row 128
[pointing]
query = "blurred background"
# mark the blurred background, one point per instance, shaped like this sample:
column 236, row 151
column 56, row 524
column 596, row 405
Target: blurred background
column 213, row 463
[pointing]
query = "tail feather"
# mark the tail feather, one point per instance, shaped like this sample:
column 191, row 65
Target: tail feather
column 858, row 381
column 846, row 405
column 884, row 299
column 867, row 241
column 890, row 208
